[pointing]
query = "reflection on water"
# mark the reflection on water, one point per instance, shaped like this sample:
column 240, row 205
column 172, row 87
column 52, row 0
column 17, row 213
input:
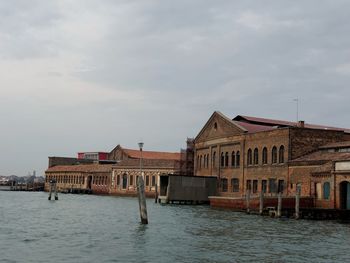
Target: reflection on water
column 82, row 228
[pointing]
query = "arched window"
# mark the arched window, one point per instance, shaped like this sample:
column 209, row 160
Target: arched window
column 222, row 159
column 249, row 157
column 256, row 156
column 264, row 156
column 226, row 159
column 214, row 159
column 281, row 154
column 238, row 159
column 326, row 190
column 118, row 179
column 274, row 154
column 200, row 161
column 233, row 159
column 125, row 180
column 197, row 161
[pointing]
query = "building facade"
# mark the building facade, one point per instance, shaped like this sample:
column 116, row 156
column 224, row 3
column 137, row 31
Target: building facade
column 254, row 154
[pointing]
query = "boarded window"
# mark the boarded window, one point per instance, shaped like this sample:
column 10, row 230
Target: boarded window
column 224, row 185
column 326, row 190
column 235, row 185
column 255, row 186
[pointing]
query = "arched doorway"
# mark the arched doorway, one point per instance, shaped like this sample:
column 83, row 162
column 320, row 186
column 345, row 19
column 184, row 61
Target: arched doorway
column 344, row 191
column 125, row 181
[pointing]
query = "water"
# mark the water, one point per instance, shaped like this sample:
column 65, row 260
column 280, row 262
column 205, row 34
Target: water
column 84, row 228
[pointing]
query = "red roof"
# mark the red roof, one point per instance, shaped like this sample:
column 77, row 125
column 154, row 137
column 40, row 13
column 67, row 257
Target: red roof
column 344, row 144
column 153, row 155
column 82, row 168
column 253, row 127
column 271, row 122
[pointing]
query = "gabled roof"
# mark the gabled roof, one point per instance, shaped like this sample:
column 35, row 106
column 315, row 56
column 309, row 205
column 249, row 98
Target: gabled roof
column 136, row 154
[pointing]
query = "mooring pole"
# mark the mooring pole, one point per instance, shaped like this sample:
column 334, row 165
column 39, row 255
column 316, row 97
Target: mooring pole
column 156, row 200
column 261, row 203
column 297, row 203
column 141, row 192
column 279, row 206
column 248, row 201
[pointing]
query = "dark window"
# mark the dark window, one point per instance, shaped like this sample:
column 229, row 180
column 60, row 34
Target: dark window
column 256, row 156
column 255, row 186
column 153, row 180
column 147, row 180
column 125, row 181
column 249, row 157
column 214, row 159
column 224, row 185
column 264, row 186
column 131, row 180
column 326, row 190
column 249, row 185
column 238, row 159
column 280, row 186
column 118, row 179
column 197, row 162
column 226, row 159
column 272, row 186
column 222, row 160
column 281, row 155
column 233, row 159
column 274, row 154
column 200, row 161
column 264, row 156
column 235, row 185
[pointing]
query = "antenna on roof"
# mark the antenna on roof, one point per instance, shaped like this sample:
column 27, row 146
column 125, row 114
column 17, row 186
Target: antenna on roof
column 297, row 101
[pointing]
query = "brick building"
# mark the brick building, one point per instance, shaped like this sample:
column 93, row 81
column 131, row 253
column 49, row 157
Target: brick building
column 256, row 154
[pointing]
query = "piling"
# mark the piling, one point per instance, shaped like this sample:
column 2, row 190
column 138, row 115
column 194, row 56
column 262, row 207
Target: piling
column 248, row 201
column 53, row 189
column 142, row 200
column 261, row 203
column 297, row 203
column 156, row 197
column 279, row 206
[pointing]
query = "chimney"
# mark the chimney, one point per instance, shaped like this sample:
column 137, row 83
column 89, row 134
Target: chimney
column 301, row 124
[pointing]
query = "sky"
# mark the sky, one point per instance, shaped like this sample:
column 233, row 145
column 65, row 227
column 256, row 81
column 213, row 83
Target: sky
column 87, row 75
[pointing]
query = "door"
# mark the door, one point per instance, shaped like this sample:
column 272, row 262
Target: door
column 344, row 195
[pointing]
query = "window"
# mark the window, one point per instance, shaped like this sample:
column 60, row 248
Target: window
column 224, row 185
column 207, row 160
column 281, row 155
column 264, row 156
column 222, row 159
column 197, row 162
column 153, row 180
column 235, row 185
column 200, row 161
column 238, row 157
column 249, row 185
column 264, row 186
column 226, row 159
column 118, row 179
column 272, row 186
column 147, row 180
column 326, row 190
column 274, row 154
column 214, row 159
column 233, row 159
column 255, row 186
column 318, row 188
column 280, row 186
column 215, row 126
column 249, row 157
column 256, row 156
column 131, row 180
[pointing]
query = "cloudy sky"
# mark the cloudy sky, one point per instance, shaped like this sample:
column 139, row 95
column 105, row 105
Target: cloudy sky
column 88, row 75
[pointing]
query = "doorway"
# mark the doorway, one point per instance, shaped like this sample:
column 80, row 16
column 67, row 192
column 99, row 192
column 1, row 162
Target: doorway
column 344, row 191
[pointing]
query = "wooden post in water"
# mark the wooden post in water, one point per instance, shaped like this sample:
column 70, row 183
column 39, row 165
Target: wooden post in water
column 156, row 198
column 248, row 201
column 141, row 192
column 261, row 203
column 279, row 205
column 297, row 203
column 53, row 188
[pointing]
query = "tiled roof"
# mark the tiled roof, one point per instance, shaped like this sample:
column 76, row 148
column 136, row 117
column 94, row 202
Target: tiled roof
column 323, row 156
column 148, row 163
column 271, row 122
column 336, row 145
column 83, row 168
column 153, row 155
column 253, row 127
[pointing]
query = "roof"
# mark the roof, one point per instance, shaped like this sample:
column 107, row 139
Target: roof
column 336, row 145
column 152, row 155
column 323, row 156
column 82, row 168
column 253, row 127
column 148, row 163
column 272, row 122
